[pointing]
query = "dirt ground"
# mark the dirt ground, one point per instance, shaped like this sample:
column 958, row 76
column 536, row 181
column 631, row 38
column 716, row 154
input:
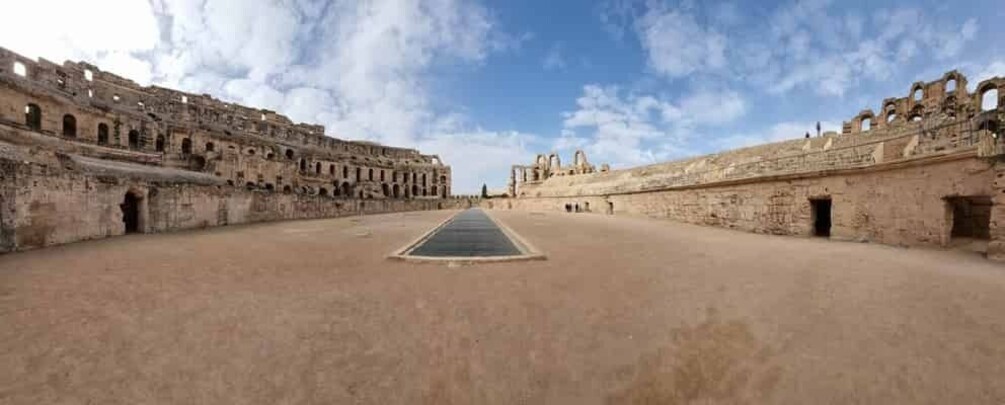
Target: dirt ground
column 624, row 310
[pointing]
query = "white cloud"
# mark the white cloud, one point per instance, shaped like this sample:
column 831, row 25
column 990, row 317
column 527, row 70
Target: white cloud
column 677, row 45
column 554, row 60
column 632, row 129
column 805, row 45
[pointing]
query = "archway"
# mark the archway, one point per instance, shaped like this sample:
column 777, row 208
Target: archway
column 33, row 116
column 69, row 126
column 134, row 139
column 131, row 212
column 102, row 134
column 384, row 188
column 396, row 191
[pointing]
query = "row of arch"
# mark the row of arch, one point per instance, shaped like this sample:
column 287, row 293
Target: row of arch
column 345, row 189
column 989, row 99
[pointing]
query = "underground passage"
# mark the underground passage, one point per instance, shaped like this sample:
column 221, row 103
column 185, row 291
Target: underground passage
column 470, row 233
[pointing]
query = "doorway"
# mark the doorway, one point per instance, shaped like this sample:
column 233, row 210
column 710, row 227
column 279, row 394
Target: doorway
column 131, row 213
column 821, row 212
column 971, row 217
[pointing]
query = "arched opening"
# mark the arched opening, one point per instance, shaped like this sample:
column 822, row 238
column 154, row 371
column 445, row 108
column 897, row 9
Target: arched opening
column 331, row 170
column 415, row 190
column 917, row 95
column 131, row 212
column 317, row 168
column 423, row 179
column 69, row 126
column 369, row 175
column 433, row 191
column 287, row 189
column 303, row 165
column 103, row 134
column 915, row 118
column 359, row 174
column 345, row 172
column 186, row 146
column 396, row 191
column 866, row 124
column 414, row 177
column 951, row 85
column 323, row 192
column 134, row 139
column 381, row 174
column 385, row 189
column 444, row 192
column 346, row 189
column 289, row 154
column 33, row 116
column 160, row 143
column 20, row 69
column 890, row 117
column 989, row 99
column 443, row 179
column 210, row 147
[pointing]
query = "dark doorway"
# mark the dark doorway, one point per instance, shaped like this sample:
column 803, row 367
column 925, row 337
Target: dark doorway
column 131, row 213
column 971, row 217
column 568, row 207
column 821, row 217
column 610, row 208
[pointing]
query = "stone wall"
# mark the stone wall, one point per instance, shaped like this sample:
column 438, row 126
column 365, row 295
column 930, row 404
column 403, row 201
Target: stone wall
column 87, row 154
column 894, row 183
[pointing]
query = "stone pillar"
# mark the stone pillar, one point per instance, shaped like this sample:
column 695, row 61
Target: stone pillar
column 996, row 247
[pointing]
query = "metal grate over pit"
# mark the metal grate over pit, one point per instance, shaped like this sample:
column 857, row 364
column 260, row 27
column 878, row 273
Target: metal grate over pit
column 469, row 234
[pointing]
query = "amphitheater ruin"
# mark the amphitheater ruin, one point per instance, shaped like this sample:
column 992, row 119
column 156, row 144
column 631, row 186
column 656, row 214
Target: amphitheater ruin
column 927, row 169
column 87, row 154
column 527, row 297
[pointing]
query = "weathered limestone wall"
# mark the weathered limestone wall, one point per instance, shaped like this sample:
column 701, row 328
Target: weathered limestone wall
column 900, row 177
column 53, row 205
column 904, row 206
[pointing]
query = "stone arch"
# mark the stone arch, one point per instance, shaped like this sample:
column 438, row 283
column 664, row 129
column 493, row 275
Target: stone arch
column 159, row 144
column 345, row 172
column 554, row 162
column 289, row 154
column 317, row 168
column 33, row 116
column 303, row 165
column 889, row 113
column 443, row 192
column 396, row 191
column 423, row 179
column 210, row 147
column 132, row 212
column 186, row 146
column 102, row 134
column 323, row 192
column 917, row 93
column 989, row 97
column 415, row 190
column 369, row 175
column 69, row 125
column 134, row 139
column 346, row 189
column 865, row 121
column 579, row 159
column 385, row 189
column 432, row 191
column 331, row 169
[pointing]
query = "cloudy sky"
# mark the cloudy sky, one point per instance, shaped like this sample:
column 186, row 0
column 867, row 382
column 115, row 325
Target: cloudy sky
column 486, row 84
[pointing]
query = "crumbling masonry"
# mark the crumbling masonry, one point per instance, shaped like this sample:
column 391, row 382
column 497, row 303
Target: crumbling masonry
column 927, row 169
column 87, row 154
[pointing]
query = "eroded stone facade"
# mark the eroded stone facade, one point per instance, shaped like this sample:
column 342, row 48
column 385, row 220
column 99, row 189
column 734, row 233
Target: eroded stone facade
column 929, row 169
column 88, row 154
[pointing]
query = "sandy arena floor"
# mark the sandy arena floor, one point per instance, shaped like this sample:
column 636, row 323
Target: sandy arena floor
column 624, row 310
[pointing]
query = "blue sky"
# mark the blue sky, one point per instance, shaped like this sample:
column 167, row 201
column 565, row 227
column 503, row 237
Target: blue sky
column 487, row 84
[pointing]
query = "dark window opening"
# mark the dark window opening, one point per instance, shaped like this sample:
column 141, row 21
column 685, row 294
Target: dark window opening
column 610, row 208
column 69, row 125
column 317, row 168
column 131, row 213
column 370, row 175
column 134, row 139
column 568, row 207
column 102, row 134
column 160, row 143
column 303, row 165
column 289, row 154
column 186, row 146
column 359, row 172
column 971, row 217
column 210, row 147
column 33, row 116
column 821, row 212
